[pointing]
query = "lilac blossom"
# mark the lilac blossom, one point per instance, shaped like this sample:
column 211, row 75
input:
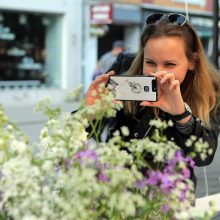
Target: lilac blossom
column 68, row 163
column 164, row 179
column 153, row 177
column 86, row 155
column 186, row 173
column 190, row 161
column 103, row 177
column 165, row 208
column 166, row 184
column 172, row 164
column 182, row 195
column 141, row 184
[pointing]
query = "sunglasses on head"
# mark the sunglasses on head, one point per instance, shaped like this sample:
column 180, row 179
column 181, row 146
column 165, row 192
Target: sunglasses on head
column 177, row 19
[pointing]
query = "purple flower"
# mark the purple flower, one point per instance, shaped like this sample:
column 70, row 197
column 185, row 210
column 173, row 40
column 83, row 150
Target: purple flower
column 141, row 184
column 102, row 177
column 165, row 179
column 165, row 208
column 182, row 195
column 166, row 184
column 170, row 167
column 186, row 173
column 177, row 157
column 180, row 157
column 68, row 163
column 153, row 177
column 190, row 161
column 86, row 155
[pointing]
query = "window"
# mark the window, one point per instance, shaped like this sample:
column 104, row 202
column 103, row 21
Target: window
column 27, row 47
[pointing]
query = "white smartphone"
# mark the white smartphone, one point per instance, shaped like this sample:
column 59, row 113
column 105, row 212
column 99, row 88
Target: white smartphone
column 136, row 87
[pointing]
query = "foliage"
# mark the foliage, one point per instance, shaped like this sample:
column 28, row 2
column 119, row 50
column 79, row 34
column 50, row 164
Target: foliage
column 71, row 176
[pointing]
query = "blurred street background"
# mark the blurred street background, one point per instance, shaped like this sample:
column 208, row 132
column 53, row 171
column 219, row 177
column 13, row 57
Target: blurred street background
column 48, row 48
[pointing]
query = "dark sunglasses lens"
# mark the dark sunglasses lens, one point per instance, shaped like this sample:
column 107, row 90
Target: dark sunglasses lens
column 153, row 18
column 177, row 19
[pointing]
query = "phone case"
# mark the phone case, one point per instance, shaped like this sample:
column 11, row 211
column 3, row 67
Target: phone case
column 137, row 88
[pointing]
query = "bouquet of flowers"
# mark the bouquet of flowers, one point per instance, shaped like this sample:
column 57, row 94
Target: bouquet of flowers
column 68, row 175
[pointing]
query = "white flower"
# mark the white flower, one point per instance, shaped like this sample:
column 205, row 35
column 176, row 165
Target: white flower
column 44, row 133
column 19, row 147
column 47, row 166
column 125, row 131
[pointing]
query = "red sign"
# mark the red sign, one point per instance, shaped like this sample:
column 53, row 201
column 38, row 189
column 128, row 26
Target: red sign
column 101, row 14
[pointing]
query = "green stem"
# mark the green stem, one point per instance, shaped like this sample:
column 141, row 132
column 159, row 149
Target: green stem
column 98, row 132
column 93, row 126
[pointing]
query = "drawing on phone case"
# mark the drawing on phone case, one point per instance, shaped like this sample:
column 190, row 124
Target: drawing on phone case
column 135, row 87
column 113, row 86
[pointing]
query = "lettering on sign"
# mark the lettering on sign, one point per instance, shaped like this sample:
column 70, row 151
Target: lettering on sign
column 101, row 14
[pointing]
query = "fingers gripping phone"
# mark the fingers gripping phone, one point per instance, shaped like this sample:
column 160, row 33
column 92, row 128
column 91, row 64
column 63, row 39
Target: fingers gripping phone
column 136, row 88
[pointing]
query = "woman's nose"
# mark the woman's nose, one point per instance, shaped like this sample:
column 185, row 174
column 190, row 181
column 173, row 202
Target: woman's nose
column 159, row 68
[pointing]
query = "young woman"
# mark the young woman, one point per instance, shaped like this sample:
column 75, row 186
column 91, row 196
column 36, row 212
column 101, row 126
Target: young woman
column 189, row 86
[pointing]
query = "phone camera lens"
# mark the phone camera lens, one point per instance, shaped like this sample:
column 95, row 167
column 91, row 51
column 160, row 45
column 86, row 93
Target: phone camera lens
column 154, row 85
column 146, row 88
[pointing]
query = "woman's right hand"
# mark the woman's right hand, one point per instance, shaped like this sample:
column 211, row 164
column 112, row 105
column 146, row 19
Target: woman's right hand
column 94, row 88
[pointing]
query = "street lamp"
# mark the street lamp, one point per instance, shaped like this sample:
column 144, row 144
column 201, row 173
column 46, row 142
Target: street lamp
column 215, row 32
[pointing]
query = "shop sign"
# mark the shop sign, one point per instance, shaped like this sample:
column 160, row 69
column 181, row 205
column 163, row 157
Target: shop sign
column 129, row 1
column 101, row 14
column 201, row 3
column 193, row 4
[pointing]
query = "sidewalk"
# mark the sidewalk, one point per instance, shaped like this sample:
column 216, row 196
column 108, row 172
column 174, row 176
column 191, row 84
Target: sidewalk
column 19, row 108
column 204, row 202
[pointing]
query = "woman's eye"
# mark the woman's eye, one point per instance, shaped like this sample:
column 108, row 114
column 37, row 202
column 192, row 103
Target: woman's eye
column 149, row 62
column 170, row 64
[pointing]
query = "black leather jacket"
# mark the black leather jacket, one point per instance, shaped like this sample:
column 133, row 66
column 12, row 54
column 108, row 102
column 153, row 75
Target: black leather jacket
column 139, row 124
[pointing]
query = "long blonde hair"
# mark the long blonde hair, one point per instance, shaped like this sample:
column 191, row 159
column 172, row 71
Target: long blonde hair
column 201, row 86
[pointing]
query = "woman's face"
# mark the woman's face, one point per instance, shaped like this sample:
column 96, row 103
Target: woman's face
column 166, row 54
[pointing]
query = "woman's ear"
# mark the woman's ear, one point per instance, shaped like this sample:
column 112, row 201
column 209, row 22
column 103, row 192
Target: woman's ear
column 193, row 61
column 191, row 66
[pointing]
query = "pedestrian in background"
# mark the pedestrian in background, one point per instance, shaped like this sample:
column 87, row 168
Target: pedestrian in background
column 97, row 71
column 107, row 59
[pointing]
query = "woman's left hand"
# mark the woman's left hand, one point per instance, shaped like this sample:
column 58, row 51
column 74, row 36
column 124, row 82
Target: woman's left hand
column 170, row 99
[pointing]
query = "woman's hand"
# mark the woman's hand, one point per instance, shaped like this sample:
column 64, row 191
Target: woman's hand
column 95, row 88
column 169, row 95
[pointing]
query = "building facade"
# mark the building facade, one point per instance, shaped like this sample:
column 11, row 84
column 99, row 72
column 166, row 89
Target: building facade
column 40, row 43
